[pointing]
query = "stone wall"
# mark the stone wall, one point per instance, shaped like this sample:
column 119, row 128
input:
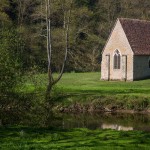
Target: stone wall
column 141, row 67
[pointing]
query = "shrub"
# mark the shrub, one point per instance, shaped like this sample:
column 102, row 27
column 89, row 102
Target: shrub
column 10, row 59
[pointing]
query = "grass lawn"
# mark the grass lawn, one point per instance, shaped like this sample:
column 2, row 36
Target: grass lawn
column 89, row 83
column 87, row 87
column 74, row 139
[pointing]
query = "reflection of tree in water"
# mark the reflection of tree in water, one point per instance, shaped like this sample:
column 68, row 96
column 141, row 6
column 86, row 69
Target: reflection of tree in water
column 27, row 114
column 26, row 110
column 116, row 121
column 38, row 118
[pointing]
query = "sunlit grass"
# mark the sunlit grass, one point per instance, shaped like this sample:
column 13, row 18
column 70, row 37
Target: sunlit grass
column 88, row 83
column 88, row 88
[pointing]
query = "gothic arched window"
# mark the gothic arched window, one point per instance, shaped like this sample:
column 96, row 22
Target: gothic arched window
column 117, row 59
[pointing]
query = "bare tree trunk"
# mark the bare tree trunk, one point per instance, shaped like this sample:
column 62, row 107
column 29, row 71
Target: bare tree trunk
column 49, row 47
column 67, row 47
column 51, row 80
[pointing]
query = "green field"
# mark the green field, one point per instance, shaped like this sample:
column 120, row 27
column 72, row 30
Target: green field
column 74, row 139
column 88, row 88
column 90, row 83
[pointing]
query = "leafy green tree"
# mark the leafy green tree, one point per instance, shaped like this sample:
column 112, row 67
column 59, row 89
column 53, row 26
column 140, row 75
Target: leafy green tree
column 10, row 59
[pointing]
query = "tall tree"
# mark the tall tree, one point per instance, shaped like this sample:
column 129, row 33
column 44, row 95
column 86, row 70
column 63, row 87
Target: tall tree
column 66, row 8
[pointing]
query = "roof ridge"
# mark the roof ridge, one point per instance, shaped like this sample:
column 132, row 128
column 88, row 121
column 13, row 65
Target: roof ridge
column 132, row 19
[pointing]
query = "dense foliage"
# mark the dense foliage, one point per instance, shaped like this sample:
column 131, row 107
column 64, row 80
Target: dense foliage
column 23, row 42
column 91, row 23
column 10, row 58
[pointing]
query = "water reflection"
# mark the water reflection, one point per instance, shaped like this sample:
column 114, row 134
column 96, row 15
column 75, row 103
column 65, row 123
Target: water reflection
column 116, row 127
column 42, row 118
column 124, row 122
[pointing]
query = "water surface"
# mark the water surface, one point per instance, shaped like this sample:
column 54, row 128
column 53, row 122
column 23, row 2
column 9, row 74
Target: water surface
column 42, row 118
column 119, row 121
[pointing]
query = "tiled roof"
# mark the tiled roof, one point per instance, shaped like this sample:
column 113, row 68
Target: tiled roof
column 138, row 35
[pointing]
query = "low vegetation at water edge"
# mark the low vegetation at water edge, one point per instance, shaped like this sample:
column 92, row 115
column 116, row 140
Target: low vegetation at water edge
column 87, row 89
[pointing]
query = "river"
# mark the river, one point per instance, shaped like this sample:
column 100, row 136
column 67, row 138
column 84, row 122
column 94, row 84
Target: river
column 115, row 121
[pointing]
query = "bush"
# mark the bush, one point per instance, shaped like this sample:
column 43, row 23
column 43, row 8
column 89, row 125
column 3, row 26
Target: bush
column 10, row 59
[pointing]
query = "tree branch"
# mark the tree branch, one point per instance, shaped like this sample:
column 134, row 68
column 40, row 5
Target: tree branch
column 67, row 44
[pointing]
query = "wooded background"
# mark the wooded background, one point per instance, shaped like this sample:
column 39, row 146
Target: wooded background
column 22, row 40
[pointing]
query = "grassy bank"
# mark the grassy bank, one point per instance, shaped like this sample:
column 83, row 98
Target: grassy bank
column 86, row 92
column 77, row 139
column 76, row 92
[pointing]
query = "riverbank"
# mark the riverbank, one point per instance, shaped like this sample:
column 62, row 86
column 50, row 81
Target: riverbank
column 85, row 92
column 91, row 103
column 76, row 93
